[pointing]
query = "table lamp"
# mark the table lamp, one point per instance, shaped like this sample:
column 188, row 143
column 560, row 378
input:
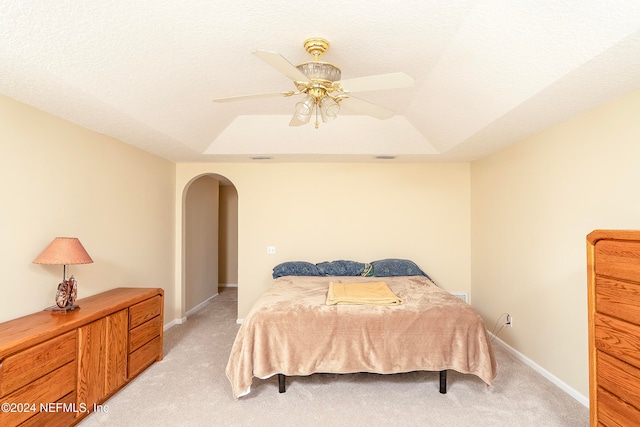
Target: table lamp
column 65, row 251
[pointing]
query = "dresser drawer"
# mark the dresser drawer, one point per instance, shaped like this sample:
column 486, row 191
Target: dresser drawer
column 618, row 338
column 615, row 412
column 144, row 356
column 618, row 378
column 618, row 299
column 61, row 414
column 145, row 310
column 144, row 333
column 50, row 388
column 22, row 368
column 619, row 259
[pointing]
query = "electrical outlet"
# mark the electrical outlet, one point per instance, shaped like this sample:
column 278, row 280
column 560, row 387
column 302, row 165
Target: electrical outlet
column 271, row 250
column 510, row 320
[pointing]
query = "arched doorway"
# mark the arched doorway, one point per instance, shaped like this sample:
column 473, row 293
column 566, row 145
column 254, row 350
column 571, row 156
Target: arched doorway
column 210, row 250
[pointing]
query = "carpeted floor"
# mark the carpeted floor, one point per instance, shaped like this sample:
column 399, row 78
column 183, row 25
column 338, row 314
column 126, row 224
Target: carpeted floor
column 189, row 388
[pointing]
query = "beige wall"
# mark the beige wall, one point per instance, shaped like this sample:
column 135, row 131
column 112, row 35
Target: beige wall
column 201, row 241
column 319, row 212
column 59, row 179
column 228, row 236
column 532, row 206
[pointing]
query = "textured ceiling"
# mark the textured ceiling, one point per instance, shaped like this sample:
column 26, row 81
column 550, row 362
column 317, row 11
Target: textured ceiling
column 488, row 73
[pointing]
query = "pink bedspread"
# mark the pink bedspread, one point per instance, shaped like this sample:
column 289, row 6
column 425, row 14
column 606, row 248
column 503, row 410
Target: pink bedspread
column 291, row 331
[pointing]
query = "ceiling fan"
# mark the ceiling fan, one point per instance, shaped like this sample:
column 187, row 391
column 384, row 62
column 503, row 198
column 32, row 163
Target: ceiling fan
column 324, row 91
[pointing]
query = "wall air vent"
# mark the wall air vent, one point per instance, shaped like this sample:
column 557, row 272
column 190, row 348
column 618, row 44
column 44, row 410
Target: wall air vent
column 462, row 295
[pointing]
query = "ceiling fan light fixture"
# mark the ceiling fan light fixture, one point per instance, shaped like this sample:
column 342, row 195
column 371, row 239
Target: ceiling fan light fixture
column 329, row 109
column 305, row 107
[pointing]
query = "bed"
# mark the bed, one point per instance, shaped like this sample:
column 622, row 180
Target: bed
column 291, row 331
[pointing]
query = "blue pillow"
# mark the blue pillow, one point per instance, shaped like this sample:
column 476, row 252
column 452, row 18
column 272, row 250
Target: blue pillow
column 396, row 267
column 295, row 268
column 341, row 268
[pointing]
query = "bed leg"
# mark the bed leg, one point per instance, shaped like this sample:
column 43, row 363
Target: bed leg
column 281, row 384
column 443, row 382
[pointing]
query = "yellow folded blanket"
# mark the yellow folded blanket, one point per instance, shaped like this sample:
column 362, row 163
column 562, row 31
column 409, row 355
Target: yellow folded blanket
column 373, row 293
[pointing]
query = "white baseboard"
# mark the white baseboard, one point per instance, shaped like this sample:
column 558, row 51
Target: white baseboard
column 174, row 323
column 201, row 305
column 189, row 313
column 227, row 285
column 548, row 375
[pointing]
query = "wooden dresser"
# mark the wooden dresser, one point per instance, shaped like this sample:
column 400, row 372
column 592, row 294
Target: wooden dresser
column 57, row 368
column 614, row 327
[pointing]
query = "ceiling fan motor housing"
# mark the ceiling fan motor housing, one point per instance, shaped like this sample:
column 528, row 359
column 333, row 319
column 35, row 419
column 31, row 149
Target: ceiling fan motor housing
column 317, row 71
column 320, row 71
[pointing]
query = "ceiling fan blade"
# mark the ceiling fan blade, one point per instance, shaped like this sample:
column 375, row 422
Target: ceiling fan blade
column 278, row 62
column 377, row 82
column 254, row 96
column 366, row 107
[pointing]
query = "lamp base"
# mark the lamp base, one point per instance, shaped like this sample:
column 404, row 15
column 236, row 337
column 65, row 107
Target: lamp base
column 57, row 310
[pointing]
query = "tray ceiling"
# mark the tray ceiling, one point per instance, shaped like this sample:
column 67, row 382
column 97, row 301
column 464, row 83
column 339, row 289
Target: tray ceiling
column 488, row 73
